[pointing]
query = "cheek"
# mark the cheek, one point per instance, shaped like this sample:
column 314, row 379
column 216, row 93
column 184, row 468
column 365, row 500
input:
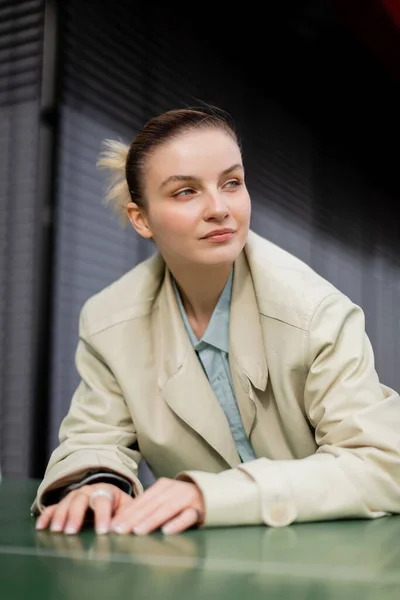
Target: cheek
column 242, row 209
column 174, row 221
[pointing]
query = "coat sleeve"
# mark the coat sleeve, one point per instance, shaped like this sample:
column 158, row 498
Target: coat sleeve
column 355, row 472
column 97, row 434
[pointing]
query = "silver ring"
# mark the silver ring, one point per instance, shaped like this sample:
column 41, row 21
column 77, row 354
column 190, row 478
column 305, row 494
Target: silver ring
column 98, row 493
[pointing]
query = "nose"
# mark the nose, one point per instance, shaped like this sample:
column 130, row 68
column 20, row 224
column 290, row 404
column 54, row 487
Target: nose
column 216, row 207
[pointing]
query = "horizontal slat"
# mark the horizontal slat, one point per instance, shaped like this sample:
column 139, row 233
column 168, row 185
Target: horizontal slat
column 124, row 62
column 21, row 32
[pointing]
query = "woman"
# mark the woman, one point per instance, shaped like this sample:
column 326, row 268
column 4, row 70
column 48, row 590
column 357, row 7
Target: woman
column 244, row 379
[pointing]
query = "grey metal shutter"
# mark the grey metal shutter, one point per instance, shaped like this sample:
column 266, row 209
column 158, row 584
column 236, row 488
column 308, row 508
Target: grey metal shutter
column 121, row 65
column 21, row 32
column 125, row 62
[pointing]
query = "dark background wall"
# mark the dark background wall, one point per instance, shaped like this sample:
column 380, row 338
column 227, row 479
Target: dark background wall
column 314, row 90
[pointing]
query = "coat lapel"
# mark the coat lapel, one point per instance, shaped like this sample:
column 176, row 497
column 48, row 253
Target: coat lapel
column 246, row 350
column 182, row 380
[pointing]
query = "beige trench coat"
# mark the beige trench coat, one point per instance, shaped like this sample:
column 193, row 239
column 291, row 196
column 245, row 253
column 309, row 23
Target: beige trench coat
column 325, row 431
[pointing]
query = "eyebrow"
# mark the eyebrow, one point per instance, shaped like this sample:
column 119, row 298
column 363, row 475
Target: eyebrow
column 175, row 178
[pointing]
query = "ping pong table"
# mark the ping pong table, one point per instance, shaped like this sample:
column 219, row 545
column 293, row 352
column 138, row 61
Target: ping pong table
column 354, row 559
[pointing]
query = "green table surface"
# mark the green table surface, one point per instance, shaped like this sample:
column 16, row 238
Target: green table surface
column 355, row 559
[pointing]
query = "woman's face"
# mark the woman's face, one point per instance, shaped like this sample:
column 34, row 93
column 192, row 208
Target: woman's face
column 194, row 185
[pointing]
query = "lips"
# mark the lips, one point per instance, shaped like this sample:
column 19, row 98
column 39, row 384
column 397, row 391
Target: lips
column 218, row 232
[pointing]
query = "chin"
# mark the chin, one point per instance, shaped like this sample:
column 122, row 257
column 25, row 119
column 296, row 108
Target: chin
column 220, row 255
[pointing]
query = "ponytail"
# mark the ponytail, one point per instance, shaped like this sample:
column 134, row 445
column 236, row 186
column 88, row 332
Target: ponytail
column 113, row 159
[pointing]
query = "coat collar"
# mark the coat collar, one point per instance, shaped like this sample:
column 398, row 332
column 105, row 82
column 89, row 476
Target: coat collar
column 181, row 378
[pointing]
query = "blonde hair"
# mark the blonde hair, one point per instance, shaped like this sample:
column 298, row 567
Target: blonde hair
column 113, row 159
column 126, row 163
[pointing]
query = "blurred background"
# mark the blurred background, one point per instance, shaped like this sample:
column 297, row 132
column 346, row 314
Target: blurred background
column 313, row 87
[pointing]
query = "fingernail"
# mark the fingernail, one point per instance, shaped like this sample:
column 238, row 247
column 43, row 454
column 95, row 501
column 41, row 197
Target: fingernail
column 39, row 525
column 139, row 529
column 56, row 527
column 166, row 530
column 101, row 529
column 121, row 528
column 70, row 529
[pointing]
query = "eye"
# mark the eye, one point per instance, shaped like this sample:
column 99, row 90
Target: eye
column 183, row 193
column 233, row 183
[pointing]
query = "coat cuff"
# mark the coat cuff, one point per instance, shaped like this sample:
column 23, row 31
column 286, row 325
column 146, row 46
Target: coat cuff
column 230, row 498
column 100, row 477
column 278, row 508
column 60, row 478
column 310, row 489
column 256, row 492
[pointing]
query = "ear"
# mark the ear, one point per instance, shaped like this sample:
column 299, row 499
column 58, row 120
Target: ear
column 138, row 218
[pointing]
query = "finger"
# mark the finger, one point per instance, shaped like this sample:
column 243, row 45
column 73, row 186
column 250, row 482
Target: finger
column 133, row 516
column 46, row 516
column 102, row 508
column 186, row 519
column 76, row 512
column 169, row 505
column 141, row 505
column 154, row 491
column 160, row 516
column 61, row 513
column 164, row 507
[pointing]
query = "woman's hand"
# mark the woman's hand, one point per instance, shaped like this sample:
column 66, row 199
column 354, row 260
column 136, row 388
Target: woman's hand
column 168, row 503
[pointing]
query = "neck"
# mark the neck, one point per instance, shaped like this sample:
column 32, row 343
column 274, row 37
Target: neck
column 200, row 289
